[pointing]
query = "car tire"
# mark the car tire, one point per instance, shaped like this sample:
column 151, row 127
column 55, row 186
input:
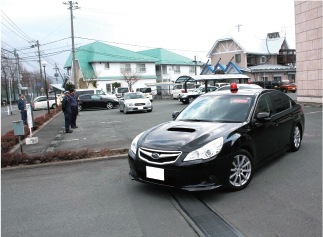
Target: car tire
column 149, row 110
column 171, row 96
column 54, row 106
column 184, row 102
column 190, row 99
column 285, row 91
column 109, row 105
column 293, row 91
column 296, row 138
column 240, row 171
column 125, row 110
column 120, row 109
column 79, row 107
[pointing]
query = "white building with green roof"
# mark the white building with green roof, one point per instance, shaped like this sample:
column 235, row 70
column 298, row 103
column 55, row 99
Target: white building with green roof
column 171, row 66
column 105, row 64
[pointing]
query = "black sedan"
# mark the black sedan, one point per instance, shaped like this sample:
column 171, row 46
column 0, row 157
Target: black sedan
column 218, row 140
column 96, row 101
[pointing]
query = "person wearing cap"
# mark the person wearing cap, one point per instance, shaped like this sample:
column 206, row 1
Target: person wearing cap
column 73, row 99
column 66, row 107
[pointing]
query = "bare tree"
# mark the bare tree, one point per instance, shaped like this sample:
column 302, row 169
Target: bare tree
column 130, row 77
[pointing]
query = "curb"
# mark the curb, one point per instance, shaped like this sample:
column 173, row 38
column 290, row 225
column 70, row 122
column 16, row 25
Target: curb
column 17, row 146
column 68, row 162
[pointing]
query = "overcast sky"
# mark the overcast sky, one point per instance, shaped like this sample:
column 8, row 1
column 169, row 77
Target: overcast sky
column 186, row 27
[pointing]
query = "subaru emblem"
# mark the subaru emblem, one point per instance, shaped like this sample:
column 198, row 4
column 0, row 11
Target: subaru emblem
column 155, row 155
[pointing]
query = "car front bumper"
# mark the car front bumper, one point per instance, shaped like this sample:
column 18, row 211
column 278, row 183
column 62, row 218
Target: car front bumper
column 197, row 177
column 139, row 108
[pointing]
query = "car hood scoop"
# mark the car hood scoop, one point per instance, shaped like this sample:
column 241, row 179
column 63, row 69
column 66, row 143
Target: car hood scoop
column 181, row 129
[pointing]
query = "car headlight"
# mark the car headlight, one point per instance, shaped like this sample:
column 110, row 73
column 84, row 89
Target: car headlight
column 207, row 151
column 130, row 104
column 133, row 146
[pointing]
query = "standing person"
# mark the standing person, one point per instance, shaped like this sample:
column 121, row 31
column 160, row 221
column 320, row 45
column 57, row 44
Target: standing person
column 74, row 106
column 66, row 107
column 22, row 108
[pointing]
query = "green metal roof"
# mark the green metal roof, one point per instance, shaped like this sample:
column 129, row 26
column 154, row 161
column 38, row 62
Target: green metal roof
column 100, row 52
column 167, row 57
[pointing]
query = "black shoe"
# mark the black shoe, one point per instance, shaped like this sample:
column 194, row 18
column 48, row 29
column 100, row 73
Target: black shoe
column 69, row 131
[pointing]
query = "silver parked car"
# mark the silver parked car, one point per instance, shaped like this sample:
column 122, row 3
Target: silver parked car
column 135, row 102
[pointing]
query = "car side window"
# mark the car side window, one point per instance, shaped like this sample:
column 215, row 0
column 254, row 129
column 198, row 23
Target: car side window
column 281, row 101
column 264, row 105
column 95, row 97
column 85, row 97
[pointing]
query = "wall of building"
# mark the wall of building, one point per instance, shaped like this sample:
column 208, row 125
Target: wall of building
column 308, row 32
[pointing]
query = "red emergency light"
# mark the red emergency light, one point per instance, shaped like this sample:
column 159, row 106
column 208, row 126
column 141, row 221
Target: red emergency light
column 233, row 88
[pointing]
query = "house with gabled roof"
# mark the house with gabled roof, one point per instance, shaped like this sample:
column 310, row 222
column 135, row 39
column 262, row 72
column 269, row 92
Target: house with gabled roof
column 261, row 59
column 170, row 65
column 101, row 65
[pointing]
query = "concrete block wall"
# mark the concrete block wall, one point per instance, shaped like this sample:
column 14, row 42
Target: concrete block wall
column 308, row 33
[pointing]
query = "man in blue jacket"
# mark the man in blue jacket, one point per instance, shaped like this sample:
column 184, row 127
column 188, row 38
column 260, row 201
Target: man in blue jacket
column 73, row 99
column 22, row 108
column 66, row 107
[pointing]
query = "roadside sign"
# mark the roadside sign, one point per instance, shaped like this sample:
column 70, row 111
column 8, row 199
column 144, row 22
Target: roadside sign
column 38, row 84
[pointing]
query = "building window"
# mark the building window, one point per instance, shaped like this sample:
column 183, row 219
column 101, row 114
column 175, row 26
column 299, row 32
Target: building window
column 177, row 70
column 263, row 59
column 238, row 58
column 251, row 60
column 125, row 67
column 141, row 67
column 192, row 69
column 106, row 66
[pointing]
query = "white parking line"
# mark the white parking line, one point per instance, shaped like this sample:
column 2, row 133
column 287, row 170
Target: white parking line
column 314, row 112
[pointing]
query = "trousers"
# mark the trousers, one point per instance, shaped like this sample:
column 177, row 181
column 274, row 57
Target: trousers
column 68, row 118
column 74, row 116
column 24, row 116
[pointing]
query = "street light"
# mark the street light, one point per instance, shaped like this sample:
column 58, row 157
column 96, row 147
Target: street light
column 44, row 65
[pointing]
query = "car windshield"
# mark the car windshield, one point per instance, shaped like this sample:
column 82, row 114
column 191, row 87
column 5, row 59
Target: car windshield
column 145, row 90
column 218, row 108
column 132, row 96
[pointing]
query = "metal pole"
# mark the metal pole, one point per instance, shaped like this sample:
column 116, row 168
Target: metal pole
column 46, row 90
column 18, row 74
column 73, row 46
column 195, row 65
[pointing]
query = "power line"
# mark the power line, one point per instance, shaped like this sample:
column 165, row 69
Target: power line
column 14, row 32
column 56, row 29
column 141, row 45
column 17, row 27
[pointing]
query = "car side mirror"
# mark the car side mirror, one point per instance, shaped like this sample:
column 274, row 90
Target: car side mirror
column 263, row 116
column 175, row 114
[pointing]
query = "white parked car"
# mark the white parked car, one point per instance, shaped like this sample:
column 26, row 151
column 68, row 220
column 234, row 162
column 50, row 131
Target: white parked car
column 179, row 90
column 147, row 92
column 41, row 102
column 135, row 101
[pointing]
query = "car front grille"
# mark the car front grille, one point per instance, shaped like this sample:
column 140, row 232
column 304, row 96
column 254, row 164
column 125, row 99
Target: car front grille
column 158, row 157
column 139, row 104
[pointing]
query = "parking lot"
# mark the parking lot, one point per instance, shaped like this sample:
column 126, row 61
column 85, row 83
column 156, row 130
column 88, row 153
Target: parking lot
column 283, row 199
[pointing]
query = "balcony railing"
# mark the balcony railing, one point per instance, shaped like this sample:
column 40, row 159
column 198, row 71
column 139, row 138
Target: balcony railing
column 286, row 56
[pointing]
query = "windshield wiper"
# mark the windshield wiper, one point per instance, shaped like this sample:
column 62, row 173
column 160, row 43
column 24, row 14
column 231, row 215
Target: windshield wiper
column 196, row 120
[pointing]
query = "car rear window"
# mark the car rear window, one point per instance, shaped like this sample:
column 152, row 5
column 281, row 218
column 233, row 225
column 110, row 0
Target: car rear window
column 145, row 90
column 123, row 90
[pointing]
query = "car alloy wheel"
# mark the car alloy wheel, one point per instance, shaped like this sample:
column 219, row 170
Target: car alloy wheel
column 285, row 91
column 190, row 99
column 241, row 171
column 125, row 110
column 296, row 138
column 79, row 107
column 54, row 106
column 109, row 105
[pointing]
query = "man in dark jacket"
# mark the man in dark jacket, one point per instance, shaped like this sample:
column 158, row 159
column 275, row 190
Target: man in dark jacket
column 73, row 99
column 66, row 107
column 22, row 108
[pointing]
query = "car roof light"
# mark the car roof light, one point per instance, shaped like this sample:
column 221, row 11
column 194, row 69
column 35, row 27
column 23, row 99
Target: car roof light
column 233, row 88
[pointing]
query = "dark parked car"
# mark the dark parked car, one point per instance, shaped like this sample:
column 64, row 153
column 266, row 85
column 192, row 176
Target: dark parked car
column 218, row 140
column 97, row 101
column 190, row 96
column 268, row 84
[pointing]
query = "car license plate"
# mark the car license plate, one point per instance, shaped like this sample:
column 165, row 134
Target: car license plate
column 140, row 107
column 155, row 173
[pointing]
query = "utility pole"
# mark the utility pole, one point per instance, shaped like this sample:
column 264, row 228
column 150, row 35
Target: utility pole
column 71, row 8
column 40, row 69
column 18, row 74
column 238, row 27
column 195, row 64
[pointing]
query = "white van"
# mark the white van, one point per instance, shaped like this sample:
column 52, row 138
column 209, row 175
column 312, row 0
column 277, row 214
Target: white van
column 179, row 90
column 40, row 102
column 120, row 91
